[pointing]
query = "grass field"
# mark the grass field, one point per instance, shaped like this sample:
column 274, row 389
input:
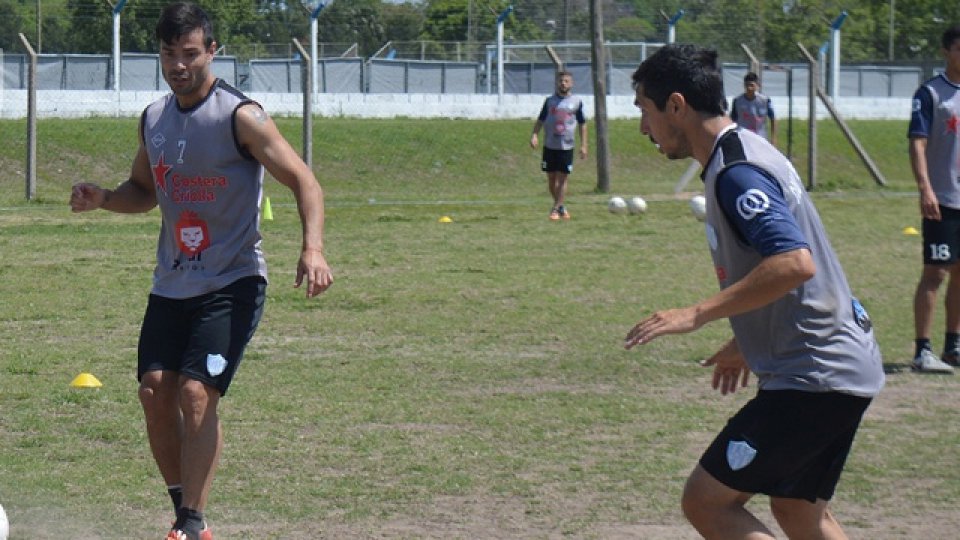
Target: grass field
column 461, row 380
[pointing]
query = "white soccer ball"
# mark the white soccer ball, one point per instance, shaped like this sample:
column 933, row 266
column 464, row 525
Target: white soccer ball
column 617, row 205
column 4, row 524
column 698, row 205
column 637, row 205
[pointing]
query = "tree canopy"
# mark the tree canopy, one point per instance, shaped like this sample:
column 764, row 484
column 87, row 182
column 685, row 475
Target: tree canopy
column 771, row 29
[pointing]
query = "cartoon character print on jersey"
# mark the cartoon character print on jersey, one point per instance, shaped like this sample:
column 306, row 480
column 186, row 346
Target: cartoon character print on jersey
column 560, row 120
column 749, row 121
column 193, row 237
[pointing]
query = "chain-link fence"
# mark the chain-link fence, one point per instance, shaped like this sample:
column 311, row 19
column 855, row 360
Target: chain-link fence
column 432, row 68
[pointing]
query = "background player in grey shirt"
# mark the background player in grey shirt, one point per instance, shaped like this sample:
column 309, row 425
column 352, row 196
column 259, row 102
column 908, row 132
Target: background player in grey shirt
column 934, row 153
column 559, row 115
column 751, row 110
column 795, row 323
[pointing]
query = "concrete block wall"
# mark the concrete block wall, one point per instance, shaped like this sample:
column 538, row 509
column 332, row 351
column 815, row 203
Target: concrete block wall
column 74, row 104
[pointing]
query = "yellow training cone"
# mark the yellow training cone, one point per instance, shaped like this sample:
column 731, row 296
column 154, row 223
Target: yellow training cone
column 911, row 231
column 267, row 211
column 445, row 219
column 85, row 380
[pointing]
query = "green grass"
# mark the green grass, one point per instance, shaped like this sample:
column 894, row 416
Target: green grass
column 461, row 380
column 436, row 160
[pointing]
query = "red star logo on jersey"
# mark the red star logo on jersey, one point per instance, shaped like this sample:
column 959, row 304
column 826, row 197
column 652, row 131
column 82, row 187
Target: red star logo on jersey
column 952, row 123
column 160, row 174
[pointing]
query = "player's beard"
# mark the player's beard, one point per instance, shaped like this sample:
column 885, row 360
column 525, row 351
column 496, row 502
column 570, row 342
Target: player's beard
column 676, row 146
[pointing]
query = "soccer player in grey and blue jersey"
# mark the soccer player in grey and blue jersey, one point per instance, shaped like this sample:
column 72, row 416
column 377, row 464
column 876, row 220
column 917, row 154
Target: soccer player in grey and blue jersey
column 934, row 158
column 795, row 323
column 751, row 109
column 560, row 114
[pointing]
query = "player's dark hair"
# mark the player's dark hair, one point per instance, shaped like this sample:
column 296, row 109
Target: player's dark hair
column 182, row 18
column 750, row 77
column 949, row 36
column 687, row 70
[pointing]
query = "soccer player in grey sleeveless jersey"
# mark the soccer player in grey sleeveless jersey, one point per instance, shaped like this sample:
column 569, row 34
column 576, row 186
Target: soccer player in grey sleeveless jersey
column 933, row 136
column 795, row 322
column 203, row 149
column 559, row 115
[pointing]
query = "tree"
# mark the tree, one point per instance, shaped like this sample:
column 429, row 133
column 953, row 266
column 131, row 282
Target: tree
column 447, row 20
column 11, row 23
column 402, row 22
column 354, row 21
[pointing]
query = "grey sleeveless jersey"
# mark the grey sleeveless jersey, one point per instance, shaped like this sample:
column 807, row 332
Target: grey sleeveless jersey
column 208, row 192
column 943, row 150
column 752, row 114
column 817, row 338
column 560, row 116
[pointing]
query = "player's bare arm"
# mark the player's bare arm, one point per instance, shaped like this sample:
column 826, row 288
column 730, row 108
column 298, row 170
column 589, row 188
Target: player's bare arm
column 135, row 195
column 583, row 141
column 774, row 277
column 929, row 205
column 257, row 132
column 534, row 138
column 729, row 368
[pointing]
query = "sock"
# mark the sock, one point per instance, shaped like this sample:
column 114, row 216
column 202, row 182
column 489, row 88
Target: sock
column 951, row 342
column 176, row 495
column 189, row 521
column 922, row 343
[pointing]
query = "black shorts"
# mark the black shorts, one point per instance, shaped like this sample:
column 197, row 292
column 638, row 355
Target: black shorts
column 202, row 338
column 557, row 160
column 941, row 239
column 787, row 443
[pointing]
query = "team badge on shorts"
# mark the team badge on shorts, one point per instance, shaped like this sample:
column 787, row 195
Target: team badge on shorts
column 216, row 364
column 740, row 454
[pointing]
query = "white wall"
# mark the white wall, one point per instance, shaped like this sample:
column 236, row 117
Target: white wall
column 73, row 104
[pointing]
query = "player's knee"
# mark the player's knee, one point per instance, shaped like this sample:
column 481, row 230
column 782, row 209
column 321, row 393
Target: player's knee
column 151, row 388
column 931, row 281
column 693, row 504
column 158, row 400
column 197, row 400
column 797, row 517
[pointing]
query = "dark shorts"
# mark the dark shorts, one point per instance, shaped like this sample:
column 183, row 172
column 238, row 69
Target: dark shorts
column 557, row 160
column 202, row 338
column 941, row 239
column 787, row 443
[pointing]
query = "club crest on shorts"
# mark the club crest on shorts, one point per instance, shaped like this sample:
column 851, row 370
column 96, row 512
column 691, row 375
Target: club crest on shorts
column 740, row 454
column 216, row 364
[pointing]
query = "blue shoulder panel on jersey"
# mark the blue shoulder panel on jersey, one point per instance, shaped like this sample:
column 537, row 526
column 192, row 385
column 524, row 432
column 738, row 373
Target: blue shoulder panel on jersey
column 543, row 110
column 921, row 113
column 753, row 202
